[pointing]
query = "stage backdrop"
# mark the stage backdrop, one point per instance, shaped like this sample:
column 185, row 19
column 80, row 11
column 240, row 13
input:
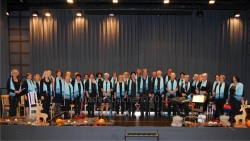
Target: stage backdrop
column 4, row 46
column 216, row 43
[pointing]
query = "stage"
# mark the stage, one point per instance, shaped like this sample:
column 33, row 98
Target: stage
column 117, row 130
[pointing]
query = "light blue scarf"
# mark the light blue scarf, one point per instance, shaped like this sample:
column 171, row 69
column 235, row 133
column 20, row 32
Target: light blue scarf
column 136, row 77
column 12, row 87
column 76, row 89
column 169, row 86
column 68, row 93
column 84, row 81
column 220, row 92
column 180, row 83
column 90, row 88
column 238, row 92
column 130, row 86
column 31, row 86
column 118, row 92
column 166, row 79
column 58, row 86
column 141, row 84
column 113, row 81
column 214, row 84
column 161, row 85
column 204, row 84
column 193, row 84
column 184, row 86
column 45, row 88
column 188, row 86
column 106, row 87
column 97, row 79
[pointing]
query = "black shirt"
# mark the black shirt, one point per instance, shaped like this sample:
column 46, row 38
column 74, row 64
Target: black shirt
column 16, row 86
column 93, row 86
column 133, row 88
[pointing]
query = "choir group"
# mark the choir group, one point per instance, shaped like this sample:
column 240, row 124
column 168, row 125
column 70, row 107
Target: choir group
column 123, row 92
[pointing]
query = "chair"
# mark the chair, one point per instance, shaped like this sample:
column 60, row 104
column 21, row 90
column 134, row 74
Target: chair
column 52, row 105
column 71, row 109
column 21, row 105
column 5, row 103
column 33, row 101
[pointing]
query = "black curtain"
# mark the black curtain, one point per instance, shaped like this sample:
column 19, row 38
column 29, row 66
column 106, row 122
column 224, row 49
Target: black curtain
column 4, row 45
column 214, row 43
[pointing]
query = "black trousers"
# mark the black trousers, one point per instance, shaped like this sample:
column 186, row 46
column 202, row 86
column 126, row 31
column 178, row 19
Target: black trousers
column 13, row 100
column 77, row 105
column 46, row 106
column 120, row 102
column 131, row 101
column 205, row 104
column 170, row 104
column 185, row 108
column 144, row 105
column 91, row 108
column 158, row 100
column 235, row 107
column 219, row 103
column 66, row 109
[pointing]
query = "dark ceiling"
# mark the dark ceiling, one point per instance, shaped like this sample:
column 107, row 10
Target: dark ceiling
column 129, row 5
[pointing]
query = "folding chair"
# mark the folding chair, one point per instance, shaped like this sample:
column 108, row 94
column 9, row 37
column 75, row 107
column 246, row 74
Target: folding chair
column 33, row 101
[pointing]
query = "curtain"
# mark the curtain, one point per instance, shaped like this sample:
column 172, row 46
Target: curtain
column 216, row 43
column 4, row 46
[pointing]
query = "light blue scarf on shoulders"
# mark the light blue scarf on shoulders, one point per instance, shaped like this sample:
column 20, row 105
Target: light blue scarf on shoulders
column 141, row 84
column 106, row 87
column 161, row 85
column 169, row 86
column 76, row 89
column 238, row 92
column 130, row 87
column 90, row 88
column 220, row 91
column 31, row 86
column 119, row 92
column 12, row 87
column 57, row 91
column 45, row 88
column 68, row 92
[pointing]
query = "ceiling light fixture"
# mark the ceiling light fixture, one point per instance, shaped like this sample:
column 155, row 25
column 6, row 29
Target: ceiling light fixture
column 115, row 1
column 165, row 1
column 70, row 1
column 211, row 1
column 47, row 14
column 78, row 13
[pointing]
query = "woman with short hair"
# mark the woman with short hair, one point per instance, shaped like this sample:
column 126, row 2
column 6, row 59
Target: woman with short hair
column 106, row 89
column 14, row 91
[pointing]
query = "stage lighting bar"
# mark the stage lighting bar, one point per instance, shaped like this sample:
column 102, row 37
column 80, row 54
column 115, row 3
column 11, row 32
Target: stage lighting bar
column 165, row 1
column 70, row 1
column 211, row 1
column 47, row 14
column 115, row 1
column 78, row 13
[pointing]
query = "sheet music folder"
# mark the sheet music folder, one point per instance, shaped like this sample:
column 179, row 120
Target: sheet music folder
column 198, row 99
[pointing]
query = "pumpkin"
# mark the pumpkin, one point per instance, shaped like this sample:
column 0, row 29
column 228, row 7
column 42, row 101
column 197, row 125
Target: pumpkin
column 248, row 123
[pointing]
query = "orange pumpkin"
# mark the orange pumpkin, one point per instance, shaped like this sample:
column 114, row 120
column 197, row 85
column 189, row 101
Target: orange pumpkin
column 248, row 123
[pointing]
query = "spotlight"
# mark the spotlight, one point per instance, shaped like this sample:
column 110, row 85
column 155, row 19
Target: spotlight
column 34, row 13
column 211, row 1
column 78, row 13
column 70, row 1
column 115, row 1
column 47, row 14
column 7, row 13
column 165, row 1
column 199, row 13
column 236, row 14
column 111, row 15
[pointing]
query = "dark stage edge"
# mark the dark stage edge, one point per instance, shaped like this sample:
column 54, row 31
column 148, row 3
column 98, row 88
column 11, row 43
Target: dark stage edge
column 109, row 133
